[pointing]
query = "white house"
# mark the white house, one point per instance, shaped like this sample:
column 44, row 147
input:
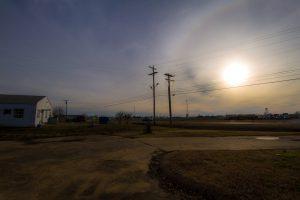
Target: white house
column 24, row 110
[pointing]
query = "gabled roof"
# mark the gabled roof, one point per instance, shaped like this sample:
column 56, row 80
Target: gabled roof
column 19, row 99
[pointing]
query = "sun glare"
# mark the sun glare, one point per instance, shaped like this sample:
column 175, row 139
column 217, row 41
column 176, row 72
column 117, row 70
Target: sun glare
column 235, row 74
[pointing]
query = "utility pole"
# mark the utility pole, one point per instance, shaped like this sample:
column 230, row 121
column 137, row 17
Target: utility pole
column 169, row 76
column 66, row 102
column 187, row 109
column 154, row 85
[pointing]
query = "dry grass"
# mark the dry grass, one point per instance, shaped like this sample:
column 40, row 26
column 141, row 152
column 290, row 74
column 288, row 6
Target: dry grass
column 239, row 125
column 69, row 129
column 181, row 129
column 256, row 174
column 184, row 132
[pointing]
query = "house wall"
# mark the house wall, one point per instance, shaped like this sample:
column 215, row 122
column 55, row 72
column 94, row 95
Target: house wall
column 43, row 111
column 11, row 120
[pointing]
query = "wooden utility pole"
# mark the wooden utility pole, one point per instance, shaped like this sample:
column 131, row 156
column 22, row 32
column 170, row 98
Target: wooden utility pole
column 154, row 85
column 133, row 110
column 66, row 102
column 169, row 76
column 187, row 109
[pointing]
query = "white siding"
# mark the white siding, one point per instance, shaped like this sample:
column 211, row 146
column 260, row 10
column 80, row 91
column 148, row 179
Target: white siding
column 34, row 114
column 43, row 111
column 11, row 120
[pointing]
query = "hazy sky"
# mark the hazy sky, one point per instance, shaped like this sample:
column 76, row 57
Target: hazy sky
column 96, row 53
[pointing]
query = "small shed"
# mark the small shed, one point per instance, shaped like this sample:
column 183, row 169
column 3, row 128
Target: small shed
column 24, row 110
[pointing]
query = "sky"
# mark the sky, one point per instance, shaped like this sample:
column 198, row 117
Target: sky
column 96, row 54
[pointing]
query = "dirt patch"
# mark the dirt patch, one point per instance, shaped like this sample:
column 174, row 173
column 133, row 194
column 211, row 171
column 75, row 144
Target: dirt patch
column 90, row 190
column 111, row 166
column 44, row 141
column 133, row 196
column 70, row 190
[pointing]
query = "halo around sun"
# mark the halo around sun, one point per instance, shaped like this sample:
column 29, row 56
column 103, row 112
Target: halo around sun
column 235, row 74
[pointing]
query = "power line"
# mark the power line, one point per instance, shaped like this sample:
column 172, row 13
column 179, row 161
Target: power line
column 207, row 90
column 240, row 86
column 256, row 39
column 180, row 66
column 263, row 37
column 145, row 97
column 125, row 102
column 218, row 89
column 280, row 74
column 214, row 84
column 208, row 84
column 215, row 59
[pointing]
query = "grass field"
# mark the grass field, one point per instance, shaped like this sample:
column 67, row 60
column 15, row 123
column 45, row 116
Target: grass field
column 180, row 129
column 256, row 174
column 68, row 129
column 238, row 125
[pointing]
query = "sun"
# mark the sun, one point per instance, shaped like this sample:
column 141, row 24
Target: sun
column 235, row 74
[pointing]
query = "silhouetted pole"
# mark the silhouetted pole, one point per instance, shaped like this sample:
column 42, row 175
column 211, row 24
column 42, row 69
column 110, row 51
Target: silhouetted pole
column 187, row 109
column 133, row 110
column 169, row 76
column 154, row 85
column 66, row 102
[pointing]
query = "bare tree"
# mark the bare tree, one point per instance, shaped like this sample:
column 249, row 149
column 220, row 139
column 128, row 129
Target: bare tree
column 127, row 117
column 58, row 112
column 120, row 116
column 123, row 116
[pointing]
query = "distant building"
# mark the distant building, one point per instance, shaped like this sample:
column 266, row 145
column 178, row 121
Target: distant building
column 24, row 110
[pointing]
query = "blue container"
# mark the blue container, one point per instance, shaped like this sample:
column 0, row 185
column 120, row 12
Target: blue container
column 103, row 120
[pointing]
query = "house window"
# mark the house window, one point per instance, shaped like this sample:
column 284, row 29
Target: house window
column 18, row 113
column 7, row 112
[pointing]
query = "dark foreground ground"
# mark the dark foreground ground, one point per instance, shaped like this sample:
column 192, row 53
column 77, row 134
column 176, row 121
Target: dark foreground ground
column 102, row 167
column 255, row 174
column 88, row 161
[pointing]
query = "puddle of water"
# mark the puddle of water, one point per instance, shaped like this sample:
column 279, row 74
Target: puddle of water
column 267, row 138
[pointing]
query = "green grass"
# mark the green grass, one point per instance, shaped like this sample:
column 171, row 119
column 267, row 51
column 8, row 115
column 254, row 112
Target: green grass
column 255, row 174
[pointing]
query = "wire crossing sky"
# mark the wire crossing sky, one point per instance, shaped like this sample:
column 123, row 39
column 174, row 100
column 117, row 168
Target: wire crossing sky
column 96, row 53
